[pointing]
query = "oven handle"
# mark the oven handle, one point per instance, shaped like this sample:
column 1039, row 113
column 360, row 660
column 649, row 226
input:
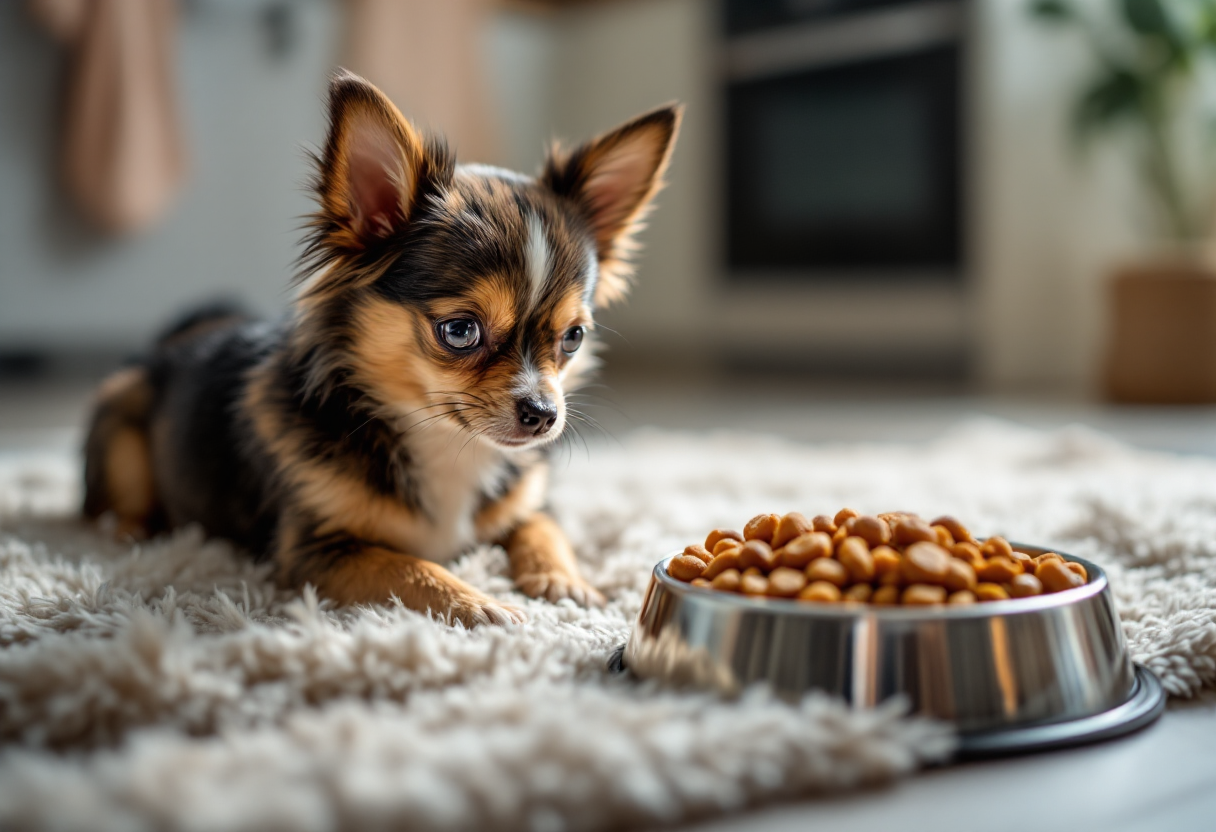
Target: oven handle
column 876, row 34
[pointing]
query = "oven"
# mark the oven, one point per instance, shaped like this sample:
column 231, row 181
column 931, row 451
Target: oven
column 844, row 134
column 845, row 167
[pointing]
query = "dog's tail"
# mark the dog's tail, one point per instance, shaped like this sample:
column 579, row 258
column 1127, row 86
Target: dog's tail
column 199, row 320
column 117, row 454
column 118, row 473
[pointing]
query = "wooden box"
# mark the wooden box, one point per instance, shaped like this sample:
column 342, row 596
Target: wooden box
column 1162, row 347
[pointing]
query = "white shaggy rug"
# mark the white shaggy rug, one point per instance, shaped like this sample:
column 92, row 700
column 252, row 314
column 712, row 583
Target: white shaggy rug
column 172, row 687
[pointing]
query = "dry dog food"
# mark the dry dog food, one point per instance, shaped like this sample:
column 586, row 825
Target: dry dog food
column 895, row 558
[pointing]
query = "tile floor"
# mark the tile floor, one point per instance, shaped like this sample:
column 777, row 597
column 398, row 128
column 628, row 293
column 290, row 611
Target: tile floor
column 1163, row 778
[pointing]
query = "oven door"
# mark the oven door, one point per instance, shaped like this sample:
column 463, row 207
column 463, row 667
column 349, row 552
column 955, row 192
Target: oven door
column 844, row 155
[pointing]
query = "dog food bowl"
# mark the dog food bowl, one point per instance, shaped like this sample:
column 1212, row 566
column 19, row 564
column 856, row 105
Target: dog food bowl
column 1012, row 676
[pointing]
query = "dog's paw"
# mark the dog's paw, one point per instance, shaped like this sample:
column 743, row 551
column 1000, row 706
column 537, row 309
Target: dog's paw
column 475, row 611
column 554, row 586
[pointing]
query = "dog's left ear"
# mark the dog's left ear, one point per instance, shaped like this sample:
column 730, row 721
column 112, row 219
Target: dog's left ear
column 612, row 179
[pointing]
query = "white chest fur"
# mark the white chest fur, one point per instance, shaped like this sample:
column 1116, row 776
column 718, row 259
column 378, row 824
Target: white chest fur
column 450, row 475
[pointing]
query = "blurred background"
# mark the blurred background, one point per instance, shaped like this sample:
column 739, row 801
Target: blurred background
column 882, row 214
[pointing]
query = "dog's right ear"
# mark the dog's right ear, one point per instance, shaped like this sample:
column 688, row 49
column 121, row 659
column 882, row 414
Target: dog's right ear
column 370, row 175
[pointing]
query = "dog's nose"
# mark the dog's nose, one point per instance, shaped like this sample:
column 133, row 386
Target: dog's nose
column 537, row 416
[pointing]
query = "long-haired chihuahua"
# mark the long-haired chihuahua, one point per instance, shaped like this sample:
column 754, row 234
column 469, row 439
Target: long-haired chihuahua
column 405, row 409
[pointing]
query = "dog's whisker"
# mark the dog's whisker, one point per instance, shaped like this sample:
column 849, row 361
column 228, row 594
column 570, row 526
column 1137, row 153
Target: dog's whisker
column 578, row 434
column 475, row 435
column 590, row 422
column 600, row 326
column 429, row 421
column 611, row 407
column 586, row 418
column 461, row 393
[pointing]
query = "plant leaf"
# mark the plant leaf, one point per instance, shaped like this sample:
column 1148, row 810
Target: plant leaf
column 1053, row 11
column 1146, row 16
column 1205, row 24
column 1151, row 19
column 1117, row 95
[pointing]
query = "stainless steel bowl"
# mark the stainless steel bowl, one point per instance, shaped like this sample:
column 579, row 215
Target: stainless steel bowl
column 1011, row 675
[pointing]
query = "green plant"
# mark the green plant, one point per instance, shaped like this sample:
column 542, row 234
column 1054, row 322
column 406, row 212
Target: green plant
column 1148, row 54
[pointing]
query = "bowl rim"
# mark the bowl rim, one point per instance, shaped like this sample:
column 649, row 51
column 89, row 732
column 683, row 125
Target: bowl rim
column 1097, row 584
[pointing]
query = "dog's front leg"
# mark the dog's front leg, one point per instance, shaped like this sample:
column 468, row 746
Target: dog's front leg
column 366, row 574
column 543, row 564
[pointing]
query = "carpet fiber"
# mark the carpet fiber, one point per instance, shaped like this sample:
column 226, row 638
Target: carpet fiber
column 172, row 686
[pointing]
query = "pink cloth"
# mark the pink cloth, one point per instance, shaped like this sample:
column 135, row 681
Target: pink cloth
column 427, row 57
column 122, row 157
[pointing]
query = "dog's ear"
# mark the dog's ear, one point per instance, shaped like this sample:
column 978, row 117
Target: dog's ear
column 371, row 173
column 612, row 179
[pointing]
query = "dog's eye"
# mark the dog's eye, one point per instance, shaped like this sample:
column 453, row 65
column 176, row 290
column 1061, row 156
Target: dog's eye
column 460, row 333
column 573, row 339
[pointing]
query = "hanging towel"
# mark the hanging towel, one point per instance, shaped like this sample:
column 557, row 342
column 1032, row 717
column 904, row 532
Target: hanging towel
column 122, row 154
column 427, row 56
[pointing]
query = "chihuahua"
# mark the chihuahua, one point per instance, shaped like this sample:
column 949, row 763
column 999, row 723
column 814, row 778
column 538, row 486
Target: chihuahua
column 404, row 411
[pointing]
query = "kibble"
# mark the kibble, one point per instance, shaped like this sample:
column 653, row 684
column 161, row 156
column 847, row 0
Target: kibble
column 944, row 538
column 761, row 527
column 925, row 563
column 882, row 559
column 924, row 594
column 957, row 530
column 726, row 545
column 723, row 562
column 1025, row 585
column 1057, row 577
column 799, row 552
column 854, row 555
column 843, row 516
column 785, row 582
column 685, row 567
column 821, row 591
column 727, row 581
column 996, row 547
column 823, row 523
column 718, row 535
column 859, row 593
column 873, row 530
column 960, row 576
column 886, row 560
column 911, row 530
column 789, row 527
column 826, row 569
column 999, row 570
column 885, row 595
column 991, row 592
column 753, row 585
column 757, row 553
column 970, row 553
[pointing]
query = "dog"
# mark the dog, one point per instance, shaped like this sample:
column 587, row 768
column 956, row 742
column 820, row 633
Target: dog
column 404, row 411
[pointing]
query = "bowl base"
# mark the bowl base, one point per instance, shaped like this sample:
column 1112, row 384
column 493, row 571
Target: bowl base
column 1143, row 706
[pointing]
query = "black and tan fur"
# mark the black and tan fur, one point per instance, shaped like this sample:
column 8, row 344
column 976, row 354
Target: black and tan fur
column 352, row 444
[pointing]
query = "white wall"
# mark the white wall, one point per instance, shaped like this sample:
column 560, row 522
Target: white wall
column 1049, row 226
column 522, row 56
column 614, row 61
column 232, row 231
